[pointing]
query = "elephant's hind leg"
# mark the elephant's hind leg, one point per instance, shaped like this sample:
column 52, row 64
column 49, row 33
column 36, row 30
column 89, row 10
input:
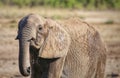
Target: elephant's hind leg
column 100, row 73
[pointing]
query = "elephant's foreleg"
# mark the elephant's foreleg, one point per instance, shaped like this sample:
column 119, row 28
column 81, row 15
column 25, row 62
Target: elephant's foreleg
column 56, row 67
column 36, row 71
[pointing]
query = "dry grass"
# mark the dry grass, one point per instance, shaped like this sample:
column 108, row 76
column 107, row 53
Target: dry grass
column 9, row 18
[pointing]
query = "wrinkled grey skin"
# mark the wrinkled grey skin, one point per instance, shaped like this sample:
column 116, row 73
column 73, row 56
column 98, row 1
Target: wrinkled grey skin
column 85, row 57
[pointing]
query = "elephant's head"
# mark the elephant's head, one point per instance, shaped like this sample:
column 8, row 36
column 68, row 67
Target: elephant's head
column 45, row 35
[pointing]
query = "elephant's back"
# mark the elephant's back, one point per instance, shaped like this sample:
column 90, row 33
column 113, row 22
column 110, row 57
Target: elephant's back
column 77, row 27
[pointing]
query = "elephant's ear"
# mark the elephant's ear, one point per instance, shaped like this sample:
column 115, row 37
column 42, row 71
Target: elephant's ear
column 57, row 42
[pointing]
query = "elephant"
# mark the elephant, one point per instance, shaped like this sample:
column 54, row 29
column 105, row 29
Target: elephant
column 68, row 49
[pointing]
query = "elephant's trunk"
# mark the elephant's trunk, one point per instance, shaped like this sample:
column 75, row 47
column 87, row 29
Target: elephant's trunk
column 24, row 60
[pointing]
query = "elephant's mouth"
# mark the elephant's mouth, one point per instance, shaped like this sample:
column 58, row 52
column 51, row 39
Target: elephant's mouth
column 39, row 43
column 35, row 43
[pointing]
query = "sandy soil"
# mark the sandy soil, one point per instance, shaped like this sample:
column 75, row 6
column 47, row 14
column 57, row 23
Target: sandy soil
column 110, row 33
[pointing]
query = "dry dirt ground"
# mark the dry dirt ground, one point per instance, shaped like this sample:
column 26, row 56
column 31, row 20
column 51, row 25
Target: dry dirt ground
column 106, row 22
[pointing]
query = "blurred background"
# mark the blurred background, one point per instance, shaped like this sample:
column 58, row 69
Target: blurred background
column 104, row 15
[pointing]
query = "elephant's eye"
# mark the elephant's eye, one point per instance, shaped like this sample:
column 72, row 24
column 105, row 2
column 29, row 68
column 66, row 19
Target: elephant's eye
column 40, row 28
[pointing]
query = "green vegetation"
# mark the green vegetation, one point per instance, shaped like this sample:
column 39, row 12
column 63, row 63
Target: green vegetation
column 78, row 4
column 109, row 22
